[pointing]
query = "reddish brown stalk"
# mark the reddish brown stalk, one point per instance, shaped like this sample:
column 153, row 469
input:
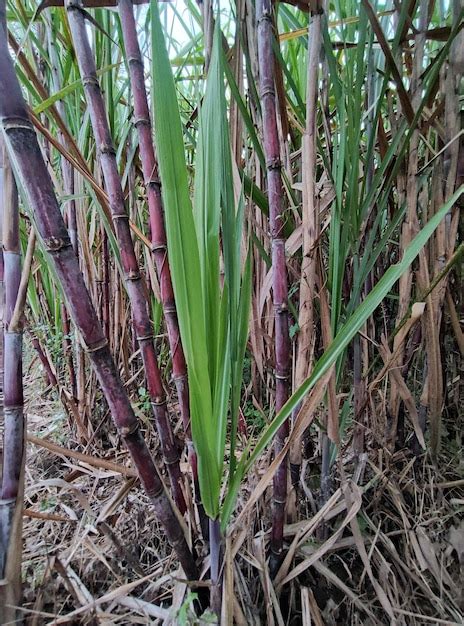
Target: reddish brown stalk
column 279, row 266
column 49, row 373
column 135, row 286
column 23, row 146
column 158, row 234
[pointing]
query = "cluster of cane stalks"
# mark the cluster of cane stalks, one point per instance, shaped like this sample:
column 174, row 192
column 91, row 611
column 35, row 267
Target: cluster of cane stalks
column 251, row 221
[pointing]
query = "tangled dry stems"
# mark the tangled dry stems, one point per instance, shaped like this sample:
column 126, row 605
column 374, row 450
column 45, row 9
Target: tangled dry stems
column 94, row 554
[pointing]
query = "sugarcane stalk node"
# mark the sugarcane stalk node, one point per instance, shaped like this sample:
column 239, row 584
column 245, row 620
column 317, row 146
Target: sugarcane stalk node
column 134, row 59
column 107, row 148
column 158, row 246
column 141, row 121
column 158, row 402
column 168, row 461
column 90, row 80
column 274, row 164
column 266, row 16
column 267, row 89
column 134, row 275
column 95, row 347
column 145, row 337
column 55, row 244
column 13, row 409
column 154, row 494
column 13, row 331
column 16, row 123
column 119, row 216
column 179, row 378
column 127, row 431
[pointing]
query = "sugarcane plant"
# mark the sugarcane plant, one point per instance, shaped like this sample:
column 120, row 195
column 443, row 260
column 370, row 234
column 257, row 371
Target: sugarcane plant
column 285, row 166
column 203, row 310
column 132, row 276
column 213, row 311
column 275, row 192
column 142, row 122
column 23, row 148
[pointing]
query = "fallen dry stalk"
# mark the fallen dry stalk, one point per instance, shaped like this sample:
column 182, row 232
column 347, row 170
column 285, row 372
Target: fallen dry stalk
column 80, row 456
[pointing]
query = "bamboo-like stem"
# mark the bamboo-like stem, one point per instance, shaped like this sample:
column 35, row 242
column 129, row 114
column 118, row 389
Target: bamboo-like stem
column 279, row 267
column 49, row 372
column 310, row 222
column 135, row 286
column 216, row 559
column 13, row 386
column 13, row 406
column 158, row 233
column 3, row 537
column 2, row 283
column 23, row 145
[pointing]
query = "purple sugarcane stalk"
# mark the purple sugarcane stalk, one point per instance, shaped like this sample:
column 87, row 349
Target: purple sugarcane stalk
column 279, row 267
column 13, row 338
column 2, row 283
column 23, row 146
column 215, row 542
column 158, row 233
column 4, row 508
column 13, row 401
column 136, row 288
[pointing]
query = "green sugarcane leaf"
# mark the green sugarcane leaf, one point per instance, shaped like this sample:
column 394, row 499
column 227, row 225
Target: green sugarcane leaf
column 243, row 319
column 185, row 265
column 213, row 203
